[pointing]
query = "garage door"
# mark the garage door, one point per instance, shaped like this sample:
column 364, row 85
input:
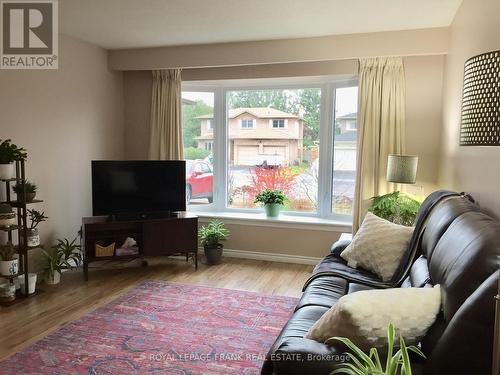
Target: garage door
column 276, row 155
column 247, row 155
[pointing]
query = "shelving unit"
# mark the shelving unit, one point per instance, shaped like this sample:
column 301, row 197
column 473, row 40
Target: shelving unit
column 22, row 227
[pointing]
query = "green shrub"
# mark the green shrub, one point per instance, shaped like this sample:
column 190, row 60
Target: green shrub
column 212, row 234
column 396, row 206
column 271, row 197
column 193, row 153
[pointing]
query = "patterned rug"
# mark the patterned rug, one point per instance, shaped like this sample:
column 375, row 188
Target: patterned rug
column 163, row 328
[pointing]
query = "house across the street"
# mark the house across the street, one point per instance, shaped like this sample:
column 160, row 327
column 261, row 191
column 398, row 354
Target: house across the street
column 258, row 135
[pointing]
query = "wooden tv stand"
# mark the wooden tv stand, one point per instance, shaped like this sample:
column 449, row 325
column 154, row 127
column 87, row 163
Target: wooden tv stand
column 155, row 237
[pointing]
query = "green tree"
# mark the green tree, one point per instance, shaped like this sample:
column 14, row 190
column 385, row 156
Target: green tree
column 310, row 103
column 190, row 124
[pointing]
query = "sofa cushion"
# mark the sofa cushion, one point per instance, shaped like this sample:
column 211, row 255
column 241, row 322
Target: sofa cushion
column 364, row 316
column 331, row 265
column 323, row 291
column 378, row 246
column 299, row 324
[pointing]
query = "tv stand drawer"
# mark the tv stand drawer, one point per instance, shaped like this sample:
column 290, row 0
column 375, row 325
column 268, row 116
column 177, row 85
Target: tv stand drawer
column 170, row 236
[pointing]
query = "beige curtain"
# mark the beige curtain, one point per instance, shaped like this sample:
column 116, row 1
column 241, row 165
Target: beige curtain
column 166, row 130
column 381, row 124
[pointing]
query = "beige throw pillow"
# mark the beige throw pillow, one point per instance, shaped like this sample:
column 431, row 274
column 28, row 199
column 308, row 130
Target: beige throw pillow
column 378, row 246
column 364, row 316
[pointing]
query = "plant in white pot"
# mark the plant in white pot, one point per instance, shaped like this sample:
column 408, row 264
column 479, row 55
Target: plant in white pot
column 9, row 264
column 64, row 255
column 211, row 236
column 7, row 216
column 272, row 201
column 9, row 153
column 36, row 217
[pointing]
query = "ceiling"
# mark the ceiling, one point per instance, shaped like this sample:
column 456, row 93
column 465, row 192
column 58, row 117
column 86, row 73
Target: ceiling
column 115, row 24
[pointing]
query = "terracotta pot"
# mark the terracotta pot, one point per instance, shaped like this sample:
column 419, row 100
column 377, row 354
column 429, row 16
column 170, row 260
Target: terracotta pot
column 29, row 197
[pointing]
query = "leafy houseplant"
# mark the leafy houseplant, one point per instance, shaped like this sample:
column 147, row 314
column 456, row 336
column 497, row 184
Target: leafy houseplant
column 64, row 255
column 9, row 265
column 36, row 217
column 370, row 364
column 9, row 153
column 30, row 189
column 397, row 207
column 272, row 201
column 211, row 236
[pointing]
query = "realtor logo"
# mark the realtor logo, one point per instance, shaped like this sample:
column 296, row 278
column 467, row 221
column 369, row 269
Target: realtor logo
column 29, row 37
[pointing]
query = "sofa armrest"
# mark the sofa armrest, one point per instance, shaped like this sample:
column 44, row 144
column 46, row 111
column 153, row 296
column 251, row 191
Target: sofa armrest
column 303, row 356
column 339, row 246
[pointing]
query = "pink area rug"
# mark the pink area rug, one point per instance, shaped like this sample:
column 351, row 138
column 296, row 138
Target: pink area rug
column 163, row 328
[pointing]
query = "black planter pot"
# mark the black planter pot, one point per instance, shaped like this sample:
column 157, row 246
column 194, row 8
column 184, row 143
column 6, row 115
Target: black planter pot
column 213, row 254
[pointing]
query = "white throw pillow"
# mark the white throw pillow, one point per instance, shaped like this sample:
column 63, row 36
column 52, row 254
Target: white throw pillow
column 364, row 316
column 378, row 246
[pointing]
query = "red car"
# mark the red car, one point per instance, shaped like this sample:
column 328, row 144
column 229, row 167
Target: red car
column 199, row 180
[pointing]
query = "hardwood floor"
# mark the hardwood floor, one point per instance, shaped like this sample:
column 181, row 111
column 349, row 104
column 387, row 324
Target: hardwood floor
column 29, row 321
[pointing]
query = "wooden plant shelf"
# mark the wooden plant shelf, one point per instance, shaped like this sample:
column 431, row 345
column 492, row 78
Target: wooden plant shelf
column 10, row 228
column 17, row 204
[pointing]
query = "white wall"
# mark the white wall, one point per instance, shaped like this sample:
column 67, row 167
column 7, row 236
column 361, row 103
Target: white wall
column 64, row 118
column 475, row 29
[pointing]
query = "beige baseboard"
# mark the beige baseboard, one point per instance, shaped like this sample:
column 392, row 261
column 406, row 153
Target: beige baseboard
column 271, row 257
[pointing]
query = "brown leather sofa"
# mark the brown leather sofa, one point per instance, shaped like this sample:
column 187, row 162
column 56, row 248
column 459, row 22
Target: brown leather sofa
column 455, row 245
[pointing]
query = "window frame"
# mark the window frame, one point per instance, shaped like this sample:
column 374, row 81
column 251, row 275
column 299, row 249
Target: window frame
column 246, row 122
column 327, row 85
column 278, row 122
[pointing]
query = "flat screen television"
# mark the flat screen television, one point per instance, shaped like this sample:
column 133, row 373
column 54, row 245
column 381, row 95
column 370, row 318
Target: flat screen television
column 138, row 187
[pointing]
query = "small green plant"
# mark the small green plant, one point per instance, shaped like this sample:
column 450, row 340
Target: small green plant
column 29, row 187
column 71, row 251
column 213, row 234
column 370, row 364
column 271, row 197
column 36, row 217
column 9, row 152
column 396, row 206
column 7, row 251
column 64, row 255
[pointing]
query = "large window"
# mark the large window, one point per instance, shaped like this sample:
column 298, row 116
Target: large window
column 198, row 134
column 248, row 138
column 344, row 149
column 267, row 159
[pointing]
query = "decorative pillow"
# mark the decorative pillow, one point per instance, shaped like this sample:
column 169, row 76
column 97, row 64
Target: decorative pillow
column 378, row 246
column 364, row 316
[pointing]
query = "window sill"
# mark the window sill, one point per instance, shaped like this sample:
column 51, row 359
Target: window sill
column 283, row 221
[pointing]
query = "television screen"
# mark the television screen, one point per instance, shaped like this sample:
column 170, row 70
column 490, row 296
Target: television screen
column 138, row 186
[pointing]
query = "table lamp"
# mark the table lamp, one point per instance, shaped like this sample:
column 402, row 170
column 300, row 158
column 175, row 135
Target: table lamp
column 401, row 169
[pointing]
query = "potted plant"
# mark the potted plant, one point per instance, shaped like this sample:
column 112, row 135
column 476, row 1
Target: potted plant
column 362, row 363
column 9, row 265
column 272, row 201
column 397, row 207
column 28, row 187
column 64, row 255
column 211, row 236
column 7, row 216
column 36, row 217
column 9, row 153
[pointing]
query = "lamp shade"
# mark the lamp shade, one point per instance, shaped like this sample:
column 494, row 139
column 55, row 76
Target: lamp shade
column 480, row 125
column 402, row 169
